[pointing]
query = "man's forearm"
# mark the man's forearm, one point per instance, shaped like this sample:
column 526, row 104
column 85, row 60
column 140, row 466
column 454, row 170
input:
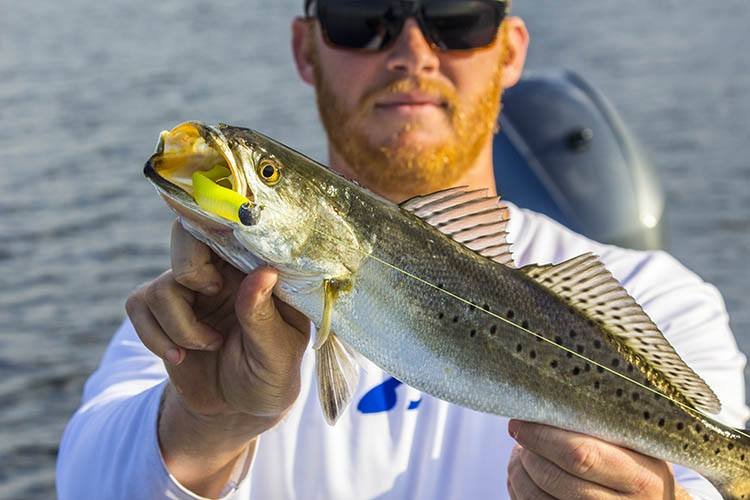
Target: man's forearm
column 201, row 452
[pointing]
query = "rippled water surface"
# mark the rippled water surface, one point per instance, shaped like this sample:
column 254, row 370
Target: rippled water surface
column 85, row 87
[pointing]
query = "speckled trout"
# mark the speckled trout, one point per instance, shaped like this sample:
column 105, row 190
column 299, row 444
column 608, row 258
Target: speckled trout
column 427, row 291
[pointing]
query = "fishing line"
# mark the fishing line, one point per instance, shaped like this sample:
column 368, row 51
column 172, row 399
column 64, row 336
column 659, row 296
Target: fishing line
column 540, row 337
column 545, row 339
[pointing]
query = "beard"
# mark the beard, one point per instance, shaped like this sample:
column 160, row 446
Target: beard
column 403, row 168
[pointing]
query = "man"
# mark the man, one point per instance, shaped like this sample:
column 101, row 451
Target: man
column 409, row 102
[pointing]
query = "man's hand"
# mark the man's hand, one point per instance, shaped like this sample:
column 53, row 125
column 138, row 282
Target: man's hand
column 232, row 352
column 554, row 463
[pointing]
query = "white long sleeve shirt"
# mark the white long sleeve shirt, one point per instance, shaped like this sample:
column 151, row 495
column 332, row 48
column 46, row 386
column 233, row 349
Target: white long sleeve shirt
column 393, row 442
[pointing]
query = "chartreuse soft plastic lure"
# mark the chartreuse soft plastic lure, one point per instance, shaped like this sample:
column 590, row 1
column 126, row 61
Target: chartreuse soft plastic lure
column 219, row 200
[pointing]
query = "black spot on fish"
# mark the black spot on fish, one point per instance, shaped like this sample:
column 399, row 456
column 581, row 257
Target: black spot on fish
column 685, row 446
column 532, row 354
column 472, row 333
column 615, row 362
column 630, row 367
column 587, row 367
column 661, row 422
column 519, row 348
column 580, row 349
column 568, row 355
column 598, row 344
column 635, row 396
column 441, row 315
column 618, row 393
column 486, row 307
column 698, row 428
column 510, row 314
column 558, row 340
column 618, row 318
column 600, row 369
column 572, row 334
column 596, row 384
column 493, row 329
column 576, row 370
column 680, row 426
column 553, row 363
column 716, row 452
column 706, row 438
column 440, row 286
column 455, row 319
column 524, row 324
column 646, row 415
column 730, row 446
column 742, row 457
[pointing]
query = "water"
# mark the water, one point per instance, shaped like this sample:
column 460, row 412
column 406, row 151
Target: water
column 85, row 87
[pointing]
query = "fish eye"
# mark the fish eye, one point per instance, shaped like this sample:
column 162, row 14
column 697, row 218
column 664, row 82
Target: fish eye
column 269, row 172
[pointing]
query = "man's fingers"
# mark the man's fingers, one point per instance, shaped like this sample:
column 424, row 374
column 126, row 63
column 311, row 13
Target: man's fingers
column 520, row 484
column 294, row 317
column 171, row 306
column 265, row 327
column 254, row 306
column 555, row 481
column 150, row 332
column 584, row 456
column 192, row 263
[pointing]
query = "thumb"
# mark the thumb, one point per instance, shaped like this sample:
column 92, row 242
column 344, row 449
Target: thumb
column 254, row 305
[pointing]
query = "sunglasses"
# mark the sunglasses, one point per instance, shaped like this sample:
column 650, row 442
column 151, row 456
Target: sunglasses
column 372, row 25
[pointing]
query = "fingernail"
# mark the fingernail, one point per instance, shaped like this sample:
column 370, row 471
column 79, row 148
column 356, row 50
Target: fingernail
column 173, row 355
column 211, row 289
column 513, row 428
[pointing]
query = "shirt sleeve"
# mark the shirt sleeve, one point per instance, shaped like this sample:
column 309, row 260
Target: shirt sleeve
column 110, row 447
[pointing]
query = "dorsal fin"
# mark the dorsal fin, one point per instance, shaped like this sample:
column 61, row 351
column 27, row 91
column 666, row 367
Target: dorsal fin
column 471, row 218
column 586, row 285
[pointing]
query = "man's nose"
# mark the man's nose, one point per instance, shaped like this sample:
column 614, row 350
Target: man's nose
column 411, row 53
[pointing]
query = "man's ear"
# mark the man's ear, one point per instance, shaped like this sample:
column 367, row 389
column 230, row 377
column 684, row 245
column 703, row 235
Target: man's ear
column 302, row 40
column 518, row 43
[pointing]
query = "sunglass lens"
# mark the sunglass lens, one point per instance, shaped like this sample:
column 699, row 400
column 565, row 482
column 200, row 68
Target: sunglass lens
column 357, row 24
column 464, row 24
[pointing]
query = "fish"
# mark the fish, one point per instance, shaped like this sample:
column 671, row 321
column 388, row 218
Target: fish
column 427, row 290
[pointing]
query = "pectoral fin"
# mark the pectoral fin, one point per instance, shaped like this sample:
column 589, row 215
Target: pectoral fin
column 337, row 370
column 338, row 374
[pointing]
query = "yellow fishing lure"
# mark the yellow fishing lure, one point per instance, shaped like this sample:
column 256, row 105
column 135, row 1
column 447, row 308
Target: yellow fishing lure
column 217, row 199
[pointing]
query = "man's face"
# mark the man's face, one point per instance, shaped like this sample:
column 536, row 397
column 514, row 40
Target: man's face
column 410, row 119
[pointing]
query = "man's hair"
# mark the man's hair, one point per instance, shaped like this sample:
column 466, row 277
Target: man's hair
column 308, row 3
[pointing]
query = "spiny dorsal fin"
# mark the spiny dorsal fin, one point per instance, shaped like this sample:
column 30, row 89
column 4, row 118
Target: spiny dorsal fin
column 586, row 285
column 338, row 374
column 471, row 218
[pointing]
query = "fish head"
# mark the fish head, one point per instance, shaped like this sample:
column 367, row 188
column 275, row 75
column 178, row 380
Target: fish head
column 234, row 185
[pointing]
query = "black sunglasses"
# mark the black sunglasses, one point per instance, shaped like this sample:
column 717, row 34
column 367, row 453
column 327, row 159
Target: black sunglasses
column 372, row 25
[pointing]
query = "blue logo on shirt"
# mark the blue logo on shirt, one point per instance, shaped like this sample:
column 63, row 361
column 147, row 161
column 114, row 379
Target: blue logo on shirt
column 383, row 397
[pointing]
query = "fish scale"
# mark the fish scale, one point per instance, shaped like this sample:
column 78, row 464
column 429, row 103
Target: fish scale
column 562, row 345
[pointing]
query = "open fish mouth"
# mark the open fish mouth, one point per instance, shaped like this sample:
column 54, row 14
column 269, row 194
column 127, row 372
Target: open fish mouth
column 194, row 168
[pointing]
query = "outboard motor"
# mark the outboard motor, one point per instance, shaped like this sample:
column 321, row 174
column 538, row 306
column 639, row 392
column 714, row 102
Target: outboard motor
column 564, row 151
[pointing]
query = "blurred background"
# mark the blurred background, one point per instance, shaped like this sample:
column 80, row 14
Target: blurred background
column 86, row 86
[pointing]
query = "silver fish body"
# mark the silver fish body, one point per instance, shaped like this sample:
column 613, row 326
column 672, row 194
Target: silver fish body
column 457, row 325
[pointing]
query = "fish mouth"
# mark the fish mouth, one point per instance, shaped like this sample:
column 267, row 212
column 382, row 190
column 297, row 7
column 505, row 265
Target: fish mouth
column 190, row 149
